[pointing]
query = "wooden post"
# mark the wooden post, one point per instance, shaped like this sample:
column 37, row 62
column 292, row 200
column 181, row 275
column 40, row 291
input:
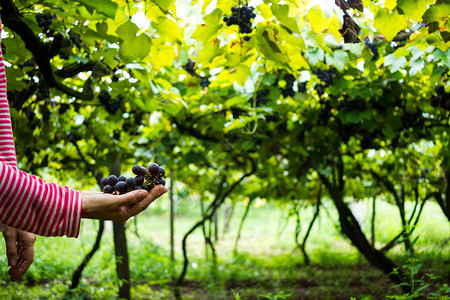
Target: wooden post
column 172, row 218
column 120, row 248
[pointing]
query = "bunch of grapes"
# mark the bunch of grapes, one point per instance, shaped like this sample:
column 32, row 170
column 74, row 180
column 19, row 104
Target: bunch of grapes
column 146, row 179
column 325, row 75
column 190, row 67
column 372, row 47
column 442, row 98
column 325, row 111
column 288, row 90
column 111, row 105
column 44, row 21
column 301, row 87
column 241, row 16
column 204, row 83
column 75, row 39
column 261, row 98
column 352, row 105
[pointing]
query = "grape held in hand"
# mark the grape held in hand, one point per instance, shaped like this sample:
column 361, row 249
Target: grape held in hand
column 146, row 179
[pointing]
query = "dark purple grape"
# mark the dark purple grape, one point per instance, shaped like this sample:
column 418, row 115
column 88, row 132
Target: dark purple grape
column 161, row 181
column 147, row 188
column 112, row 179
column 108, row 189
column 153, row 168
column 121, row 187
column 121, row 178
column 162, row 171
column 139, row 170
column 104, row 181
column 139, row 180
column 137, row 187
column 131, row 182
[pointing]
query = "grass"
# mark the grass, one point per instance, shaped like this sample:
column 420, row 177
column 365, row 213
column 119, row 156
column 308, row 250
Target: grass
column 268, row 263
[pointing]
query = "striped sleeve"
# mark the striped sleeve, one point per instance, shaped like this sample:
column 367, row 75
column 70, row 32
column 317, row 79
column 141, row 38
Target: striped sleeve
column 31, row 204
column 27, row 202
column 7, row 149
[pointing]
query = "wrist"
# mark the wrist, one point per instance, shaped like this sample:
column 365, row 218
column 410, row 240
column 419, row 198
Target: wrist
column 86, row 205
column 3, row 227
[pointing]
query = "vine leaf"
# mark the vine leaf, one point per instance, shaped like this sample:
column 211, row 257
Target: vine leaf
column 414, row 9
column 389, row 24
column 105, row 7
column 281, row 12
column 163, row 4
column 317, row 19
column 437, row 12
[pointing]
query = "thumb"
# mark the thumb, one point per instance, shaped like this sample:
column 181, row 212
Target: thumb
column 131, row 197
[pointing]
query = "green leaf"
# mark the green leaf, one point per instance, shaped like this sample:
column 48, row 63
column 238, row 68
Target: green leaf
column 416, row 66
column 281, row 12
column 388, row 131
column 394, row 63
column 168, row 29
column 315, row 55
column 206, row 54
column 390, row 4
column 210, row 28
column 414, row 9
column 15, row 50
column 163, row 4
column 416, row 268
column 105, row 7
column 136, row 48
column 269, row 48
column 442, row 56
column 240, row 74
column 436, row 41
column 235, row 100
column 14, row 79
column 353, row 117
column 389, row 24
column 437, row 12
column 317, row 19
column 127, row 31
column 239, row 123
column 339, row 59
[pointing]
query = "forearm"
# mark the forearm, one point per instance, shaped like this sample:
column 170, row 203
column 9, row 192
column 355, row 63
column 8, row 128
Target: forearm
column 31, row 204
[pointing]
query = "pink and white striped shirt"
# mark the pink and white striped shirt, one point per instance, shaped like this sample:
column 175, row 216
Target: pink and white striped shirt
column 27, row 202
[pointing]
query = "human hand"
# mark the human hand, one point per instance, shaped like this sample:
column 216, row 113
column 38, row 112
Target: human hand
column 97, row 205
column 19, row 251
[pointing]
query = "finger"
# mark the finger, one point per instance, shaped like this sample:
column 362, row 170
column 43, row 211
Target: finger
column 152, row 196
column 19, row 258
column 130, row 198
column 26, row 259
column 11, row 247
